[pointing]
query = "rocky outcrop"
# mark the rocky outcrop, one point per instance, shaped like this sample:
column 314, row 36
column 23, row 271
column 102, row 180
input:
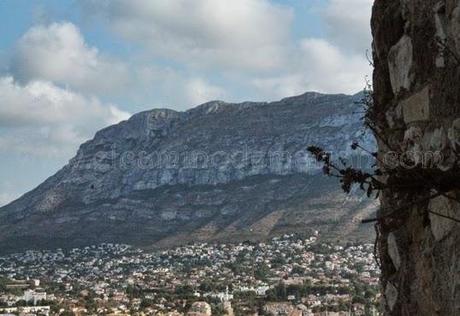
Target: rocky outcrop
column 417, row 113
column 219, row 171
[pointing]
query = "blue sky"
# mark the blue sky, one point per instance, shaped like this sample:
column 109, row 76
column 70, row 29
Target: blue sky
column 69, row 68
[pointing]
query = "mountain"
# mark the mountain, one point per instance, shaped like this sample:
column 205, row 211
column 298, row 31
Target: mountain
column 219, row 171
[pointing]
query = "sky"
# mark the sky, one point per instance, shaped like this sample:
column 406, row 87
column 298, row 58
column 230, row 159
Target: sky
column 69, row 68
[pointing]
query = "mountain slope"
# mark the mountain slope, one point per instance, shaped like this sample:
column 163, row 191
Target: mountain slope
column 219, row 171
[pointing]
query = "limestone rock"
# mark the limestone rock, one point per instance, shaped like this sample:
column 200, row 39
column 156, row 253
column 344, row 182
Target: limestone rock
column 417, row 107
column 440, row 226
column 393, row 250
column 437, row 140
column 441, row 24
column 391, row 295
column 400, row 64
column 455, row 26
column 454, row 134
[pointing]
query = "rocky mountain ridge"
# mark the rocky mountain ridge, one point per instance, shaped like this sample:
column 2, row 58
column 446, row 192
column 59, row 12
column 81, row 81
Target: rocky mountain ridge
column 219, row 171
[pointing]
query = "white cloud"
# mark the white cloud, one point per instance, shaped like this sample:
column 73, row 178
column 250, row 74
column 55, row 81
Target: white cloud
column 250, row 40
column 40, row 118
column 329, row 69
column 318, row 66
column 334, row 64
column 198, row 91
column 249, row 34
column 348, row 23
column 59, row 53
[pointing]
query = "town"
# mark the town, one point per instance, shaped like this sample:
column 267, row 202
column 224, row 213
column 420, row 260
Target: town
column 288, row 275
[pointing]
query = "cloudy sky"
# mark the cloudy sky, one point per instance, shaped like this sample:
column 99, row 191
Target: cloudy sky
column 69, row 68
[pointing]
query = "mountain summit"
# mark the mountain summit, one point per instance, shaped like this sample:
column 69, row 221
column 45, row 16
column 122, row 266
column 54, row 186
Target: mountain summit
column 219, row 171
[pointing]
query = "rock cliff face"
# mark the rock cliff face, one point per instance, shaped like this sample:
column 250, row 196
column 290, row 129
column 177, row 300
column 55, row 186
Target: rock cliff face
column 417, row 113
column 216, row 172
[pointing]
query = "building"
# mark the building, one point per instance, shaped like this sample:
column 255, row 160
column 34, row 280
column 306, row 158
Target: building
column 34, row 296
column 200, row 309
